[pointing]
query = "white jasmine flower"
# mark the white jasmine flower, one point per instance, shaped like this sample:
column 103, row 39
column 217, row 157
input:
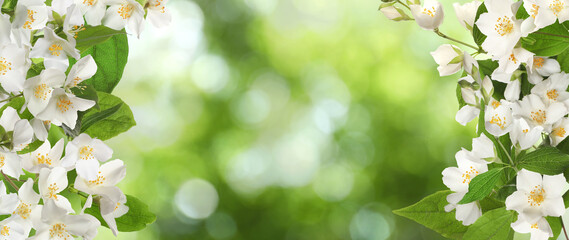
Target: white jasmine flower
column 62, row 108
column 85, row 153
column 540, row 229
column 449, row 59
column 466, row 13
column 94, row 10
column 12, row 230
column 31, row 15
column 118, row 209
column 43, row 157
column 510, row 63
column 38, row 89
column 498, row 117
column 483, row 147
column 8, row 202
column 457, row 180
column 512, row 91
column 538, row 113
column 538, row 196
column 10, row 164
column 13, row 67
column 109, row 174
column 56, row 223
column 73, row 23
column 559, row 131
column 54, row 50
column 430, row 15
column 500, row 26
column 125, row 12
column 549, row 11
column 51, row 183
column 40, row 128
column 83, row 69
column 524, row 135
column 542, row 67
column 388, row 9
column 553, row 89
column 27, row 206
column 159, row 16
column 22, row 131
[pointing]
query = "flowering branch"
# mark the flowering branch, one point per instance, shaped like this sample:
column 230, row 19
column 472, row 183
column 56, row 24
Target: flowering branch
column 438, row 32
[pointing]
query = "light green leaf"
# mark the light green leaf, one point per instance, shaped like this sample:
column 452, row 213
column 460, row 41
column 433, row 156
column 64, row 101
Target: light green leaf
column 548, row 160
column 481, row 185
column 549, row 41
column 110, row 120
column 492, row 225
column 17, row 104
column 136, row 219
column 430, row 212
column 111, row 57
column 94, row 35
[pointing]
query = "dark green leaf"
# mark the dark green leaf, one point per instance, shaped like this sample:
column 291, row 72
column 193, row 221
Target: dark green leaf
column 136, row 219
column 113, row 118
column 94, row 35
column 522, row 14
column 548, row 160
column 430, row 212
column 489, row 203
column 494, row 224
column 476, row 34
column 111, row 57
column 555, row 224
column 549, row 41
column 481, row 185
column 563, row 60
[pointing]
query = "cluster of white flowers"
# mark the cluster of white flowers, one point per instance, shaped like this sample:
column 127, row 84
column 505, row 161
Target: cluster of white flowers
column 35, row 32
column 538, row 117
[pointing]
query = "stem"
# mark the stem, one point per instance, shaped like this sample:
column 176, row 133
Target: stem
column 74, row 190
column 436, row 30
column 10, row 98
column 10, row 181
column 405, row 5
column 563, row 226
column 507, row 154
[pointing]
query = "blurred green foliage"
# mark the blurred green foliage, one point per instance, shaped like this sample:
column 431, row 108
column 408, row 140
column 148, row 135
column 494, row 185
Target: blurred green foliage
column 312, row 119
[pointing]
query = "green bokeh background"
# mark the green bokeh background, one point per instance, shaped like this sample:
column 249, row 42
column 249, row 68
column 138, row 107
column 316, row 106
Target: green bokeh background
column 312, row 119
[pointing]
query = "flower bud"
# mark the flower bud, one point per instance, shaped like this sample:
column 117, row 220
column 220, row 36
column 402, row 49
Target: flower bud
column 466, row 13
column 449, row 58
column 430, row 16
column 392, row 12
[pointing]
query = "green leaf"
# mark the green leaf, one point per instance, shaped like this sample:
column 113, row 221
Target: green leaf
column 476, row 34
column 564, row 146
column 555, row 224
column 461, row 102
column 563, row 60
column 430, row 212
column 113, row 118
column 549, row 41
column 489, row 203
column 136, row 219
column 481, row 185
column 522, row 14
column 17, row 104
column 487, row 66
column 35, row 69
column 494, row 224
column 111, row 57
column 95, row 35
column 548, row 160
